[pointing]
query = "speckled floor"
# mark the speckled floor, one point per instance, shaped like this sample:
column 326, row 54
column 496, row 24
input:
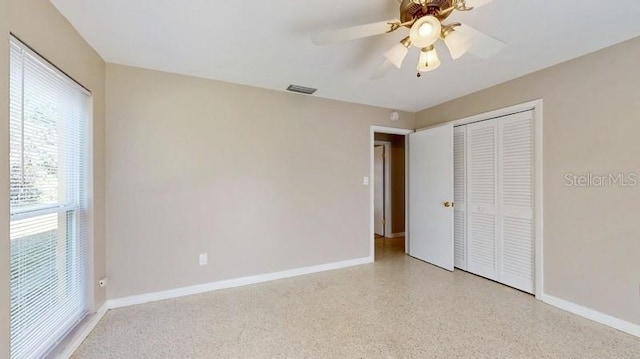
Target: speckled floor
column 398, row 307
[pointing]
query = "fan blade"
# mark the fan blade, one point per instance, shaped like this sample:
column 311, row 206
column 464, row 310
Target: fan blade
column 482, row 45
column 477, row 3
column 353, row 33
column 382, row 70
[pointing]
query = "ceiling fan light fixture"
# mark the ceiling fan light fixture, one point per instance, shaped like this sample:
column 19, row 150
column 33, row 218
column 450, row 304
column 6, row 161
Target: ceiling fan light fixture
column 427, row 23
column 429, row 59
column 457, row 43
column 398, row 53
column 425, row 31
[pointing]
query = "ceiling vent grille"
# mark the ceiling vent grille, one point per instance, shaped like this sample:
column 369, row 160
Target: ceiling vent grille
column 301, row 89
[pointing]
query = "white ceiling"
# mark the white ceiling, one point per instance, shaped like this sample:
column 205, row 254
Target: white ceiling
column 266, row 43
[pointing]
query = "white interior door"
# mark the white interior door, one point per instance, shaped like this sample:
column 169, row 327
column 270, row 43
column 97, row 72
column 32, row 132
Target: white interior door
column 430, row 188
column 378, row 183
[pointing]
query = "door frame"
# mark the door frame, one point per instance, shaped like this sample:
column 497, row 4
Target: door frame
column 372, row 134
column 387, row 186
column 538, row 188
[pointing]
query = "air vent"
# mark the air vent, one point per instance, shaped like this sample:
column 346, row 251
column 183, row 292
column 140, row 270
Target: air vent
column 301, row 89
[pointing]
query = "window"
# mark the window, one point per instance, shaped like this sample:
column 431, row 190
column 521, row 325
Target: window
column 48, row 200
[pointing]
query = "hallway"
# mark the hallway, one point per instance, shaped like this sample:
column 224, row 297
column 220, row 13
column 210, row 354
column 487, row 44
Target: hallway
column 389, row 248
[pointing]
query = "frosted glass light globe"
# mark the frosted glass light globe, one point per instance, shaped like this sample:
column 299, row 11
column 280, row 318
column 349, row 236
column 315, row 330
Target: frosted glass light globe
column 425, row 29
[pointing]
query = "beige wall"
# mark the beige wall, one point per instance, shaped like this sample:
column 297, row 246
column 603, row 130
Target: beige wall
column 263, row 181
column 397, row 174
column 42, row 27
column 4, row 181
column 591, row 124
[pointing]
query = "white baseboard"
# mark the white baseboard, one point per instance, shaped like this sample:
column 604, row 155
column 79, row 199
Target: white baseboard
column 83, row 332
column 396, row 235
column 627, row 327
column 231, row 283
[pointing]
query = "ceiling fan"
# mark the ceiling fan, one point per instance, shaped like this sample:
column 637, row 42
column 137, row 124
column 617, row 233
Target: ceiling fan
column 425, row 21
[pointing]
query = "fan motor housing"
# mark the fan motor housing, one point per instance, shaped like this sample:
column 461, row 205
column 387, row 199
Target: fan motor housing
column 409, row 10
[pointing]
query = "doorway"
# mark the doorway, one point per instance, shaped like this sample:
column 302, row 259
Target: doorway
column 388, row 189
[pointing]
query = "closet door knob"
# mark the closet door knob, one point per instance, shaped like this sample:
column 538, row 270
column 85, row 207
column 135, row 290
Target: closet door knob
column 448, row 204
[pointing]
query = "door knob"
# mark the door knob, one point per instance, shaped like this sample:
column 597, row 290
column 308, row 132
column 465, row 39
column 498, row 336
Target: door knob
column 448, row 204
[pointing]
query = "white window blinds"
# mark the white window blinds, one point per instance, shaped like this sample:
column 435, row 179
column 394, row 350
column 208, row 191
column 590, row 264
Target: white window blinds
column 48, row 200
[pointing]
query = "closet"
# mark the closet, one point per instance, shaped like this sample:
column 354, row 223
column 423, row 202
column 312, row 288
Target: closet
column 493, row 194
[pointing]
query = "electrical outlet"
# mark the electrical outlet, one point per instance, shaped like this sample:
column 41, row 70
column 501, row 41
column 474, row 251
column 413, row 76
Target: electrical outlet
column 204, row 259
column 102, row 282
column 365, row 181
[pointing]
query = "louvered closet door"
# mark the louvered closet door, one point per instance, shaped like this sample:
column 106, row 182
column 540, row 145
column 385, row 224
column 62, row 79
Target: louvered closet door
column 481, row 198
column 459, row 195
column 516, row 240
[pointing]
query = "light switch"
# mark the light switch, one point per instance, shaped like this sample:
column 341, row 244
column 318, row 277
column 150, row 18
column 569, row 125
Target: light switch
column 365, row 181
